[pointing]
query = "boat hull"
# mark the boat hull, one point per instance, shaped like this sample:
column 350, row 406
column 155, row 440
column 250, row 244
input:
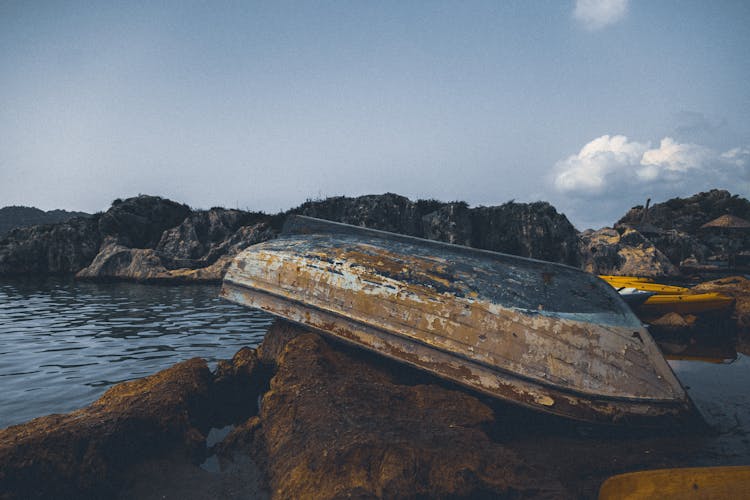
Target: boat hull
column 492, row 322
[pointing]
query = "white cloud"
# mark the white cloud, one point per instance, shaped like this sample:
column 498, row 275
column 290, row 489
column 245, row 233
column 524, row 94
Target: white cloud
column 738, row 157
column 596, row 14
column 591, row 169
column 616, row 172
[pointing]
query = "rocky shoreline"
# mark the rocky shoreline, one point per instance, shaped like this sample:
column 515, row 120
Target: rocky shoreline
column 318, row 432
column 151, row 239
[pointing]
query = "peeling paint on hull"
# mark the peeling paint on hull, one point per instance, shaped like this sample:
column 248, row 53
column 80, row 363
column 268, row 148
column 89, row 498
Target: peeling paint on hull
column 538, row 334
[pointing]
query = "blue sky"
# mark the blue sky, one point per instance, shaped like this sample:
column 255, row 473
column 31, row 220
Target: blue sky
column 593, row 106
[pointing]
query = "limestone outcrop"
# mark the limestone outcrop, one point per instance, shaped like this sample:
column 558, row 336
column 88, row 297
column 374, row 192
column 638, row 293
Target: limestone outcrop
column 623, row 252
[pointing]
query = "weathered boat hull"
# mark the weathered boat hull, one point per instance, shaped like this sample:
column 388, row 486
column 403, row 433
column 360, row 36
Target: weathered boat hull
column 538, row 334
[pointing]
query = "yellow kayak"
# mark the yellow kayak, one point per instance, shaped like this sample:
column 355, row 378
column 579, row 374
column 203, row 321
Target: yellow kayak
column 691, row 483
column 668, row 298
column 685, row 303
column 646, row 286
column 607, row 277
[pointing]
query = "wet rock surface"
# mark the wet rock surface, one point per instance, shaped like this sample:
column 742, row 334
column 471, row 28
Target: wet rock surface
column 163, row 418
column 338, row 422
column 328, row 434
column 81, row 453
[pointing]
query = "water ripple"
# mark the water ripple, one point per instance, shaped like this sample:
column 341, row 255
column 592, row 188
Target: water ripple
column 63, row 343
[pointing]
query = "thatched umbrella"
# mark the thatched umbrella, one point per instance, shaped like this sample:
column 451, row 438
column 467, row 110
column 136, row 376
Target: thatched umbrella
column 727, row 222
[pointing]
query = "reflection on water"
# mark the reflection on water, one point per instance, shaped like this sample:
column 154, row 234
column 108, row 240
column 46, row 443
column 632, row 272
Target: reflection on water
column 63, row 343
column 717, row 378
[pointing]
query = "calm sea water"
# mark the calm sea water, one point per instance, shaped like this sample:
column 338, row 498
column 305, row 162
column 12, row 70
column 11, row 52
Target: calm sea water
column 63, row 343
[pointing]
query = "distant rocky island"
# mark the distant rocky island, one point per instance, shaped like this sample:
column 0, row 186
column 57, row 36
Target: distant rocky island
column 152, row 239
column 18, row 216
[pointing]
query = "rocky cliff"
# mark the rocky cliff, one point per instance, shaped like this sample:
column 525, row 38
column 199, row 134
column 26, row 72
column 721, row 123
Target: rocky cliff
column 676, row 227
column 51, row 248
column 149, row 238
column 533, row 230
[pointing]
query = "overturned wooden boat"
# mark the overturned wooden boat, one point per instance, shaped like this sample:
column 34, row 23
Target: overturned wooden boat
column 539, row 334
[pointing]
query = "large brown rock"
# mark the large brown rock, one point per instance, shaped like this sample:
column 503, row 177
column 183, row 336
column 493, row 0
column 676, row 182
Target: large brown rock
column 333, row 425
column 80, row 453
column 162, row 419
column 623, row 252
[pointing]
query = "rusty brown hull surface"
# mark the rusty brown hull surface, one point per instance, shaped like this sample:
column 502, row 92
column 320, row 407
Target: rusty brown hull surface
column 539, row 334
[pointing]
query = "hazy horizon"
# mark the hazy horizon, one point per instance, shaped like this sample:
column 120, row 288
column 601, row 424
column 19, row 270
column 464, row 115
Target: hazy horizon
column 593, row 106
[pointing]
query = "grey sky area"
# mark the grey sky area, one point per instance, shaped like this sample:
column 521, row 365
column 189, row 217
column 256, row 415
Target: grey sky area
column 591, row 105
